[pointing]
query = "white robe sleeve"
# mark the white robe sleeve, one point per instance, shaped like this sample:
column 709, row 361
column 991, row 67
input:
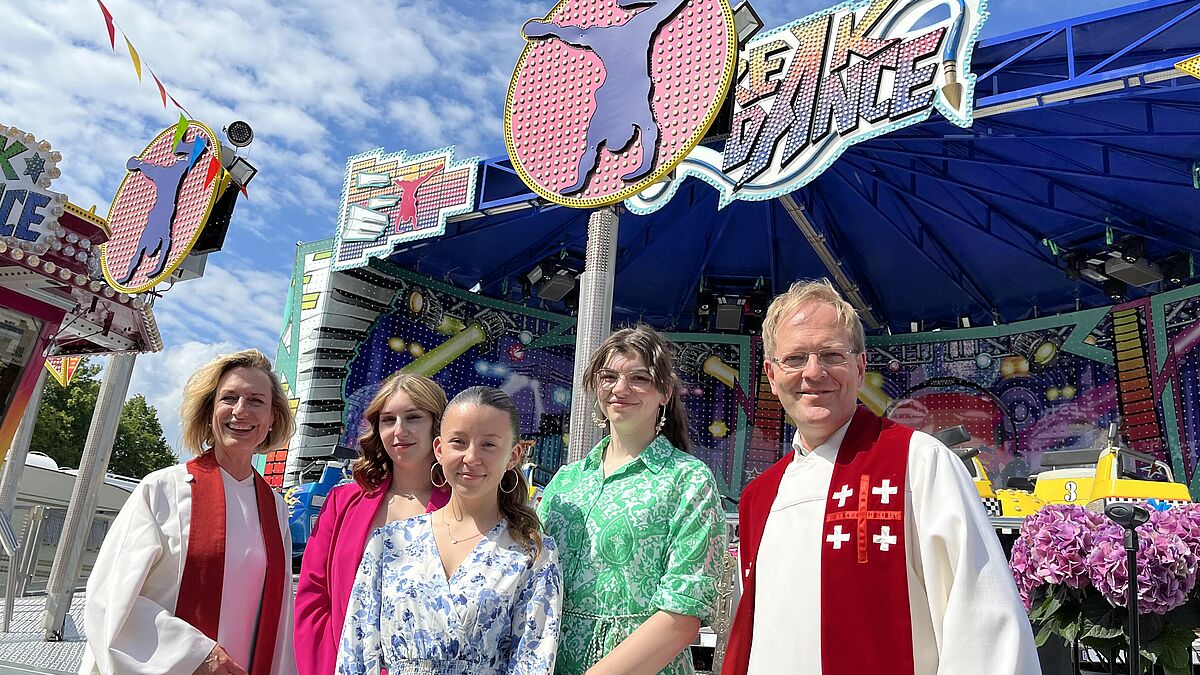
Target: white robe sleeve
column 284, row 662
column 978, row 621
column 127, row 630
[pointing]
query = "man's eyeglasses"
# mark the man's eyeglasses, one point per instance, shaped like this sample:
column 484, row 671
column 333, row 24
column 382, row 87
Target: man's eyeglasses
column 830, row 358
column 634, row 379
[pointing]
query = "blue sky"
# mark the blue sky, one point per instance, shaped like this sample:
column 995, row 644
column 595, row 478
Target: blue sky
column 318, row 81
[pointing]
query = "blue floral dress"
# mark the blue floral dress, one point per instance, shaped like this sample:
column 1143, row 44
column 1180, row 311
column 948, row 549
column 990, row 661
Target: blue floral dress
column 498, row 613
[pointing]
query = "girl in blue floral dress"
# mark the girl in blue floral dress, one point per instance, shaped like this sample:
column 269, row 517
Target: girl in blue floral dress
column 470, row 589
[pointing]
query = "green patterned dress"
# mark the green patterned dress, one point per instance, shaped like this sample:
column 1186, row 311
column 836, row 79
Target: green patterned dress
column 648, row 537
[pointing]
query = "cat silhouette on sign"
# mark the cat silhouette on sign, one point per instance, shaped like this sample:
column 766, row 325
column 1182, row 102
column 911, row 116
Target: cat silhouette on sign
column 156, row 237
column 623, row 100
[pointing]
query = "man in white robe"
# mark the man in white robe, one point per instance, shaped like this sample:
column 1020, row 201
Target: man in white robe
column 962, row 606
column 130, row 614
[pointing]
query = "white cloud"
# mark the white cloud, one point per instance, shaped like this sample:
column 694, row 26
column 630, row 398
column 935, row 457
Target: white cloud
column 160, row 378
column 229, row 303
column 227, row 310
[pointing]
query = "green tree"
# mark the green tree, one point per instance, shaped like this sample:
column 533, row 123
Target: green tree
column 66, row 415
column 140, row 446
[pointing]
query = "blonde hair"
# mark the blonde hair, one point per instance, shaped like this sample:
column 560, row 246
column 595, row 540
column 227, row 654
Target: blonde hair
column 373, row 466
column 199, row 395
column 805, row 292
column 658, row 353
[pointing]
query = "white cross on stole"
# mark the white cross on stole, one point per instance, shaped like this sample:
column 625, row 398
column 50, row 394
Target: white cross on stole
column 842, row 495
column 837, row 538
column 885, row 491
column 884, row 538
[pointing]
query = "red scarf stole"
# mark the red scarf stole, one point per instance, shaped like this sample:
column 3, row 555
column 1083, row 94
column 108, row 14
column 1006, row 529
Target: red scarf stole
column 864, row 612
column 204, row 567
column 866, row 625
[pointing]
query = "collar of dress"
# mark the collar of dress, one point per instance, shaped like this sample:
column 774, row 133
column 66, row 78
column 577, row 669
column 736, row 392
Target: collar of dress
column 654, row 457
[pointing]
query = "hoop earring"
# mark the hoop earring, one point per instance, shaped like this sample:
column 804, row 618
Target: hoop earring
column 432, row 480
column 662, row 421
column 516, row 481
column 597, row 418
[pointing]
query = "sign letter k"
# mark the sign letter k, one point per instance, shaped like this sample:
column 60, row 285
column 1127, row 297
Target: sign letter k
column 7, row 154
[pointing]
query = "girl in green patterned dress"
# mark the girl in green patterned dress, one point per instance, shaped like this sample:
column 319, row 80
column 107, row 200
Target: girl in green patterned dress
column 638, row 521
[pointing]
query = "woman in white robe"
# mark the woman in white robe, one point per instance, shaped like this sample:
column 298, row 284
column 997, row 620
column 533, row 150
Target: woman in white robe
column 194, row 575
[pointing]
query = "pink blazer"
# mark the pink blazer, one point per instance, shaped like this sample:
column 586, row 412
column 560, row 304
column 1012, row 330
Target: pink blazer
column 327, row 573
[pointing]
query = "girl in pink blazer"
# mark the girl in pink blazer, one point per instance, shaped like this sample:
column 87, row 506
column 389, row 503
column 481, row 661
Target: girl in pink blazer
column 395, row 477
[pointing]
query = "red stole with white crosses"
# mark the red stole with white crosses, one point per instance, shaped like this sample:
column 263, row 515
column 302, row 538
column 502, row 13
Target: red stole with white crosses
column 866, row 626
column 199, row 600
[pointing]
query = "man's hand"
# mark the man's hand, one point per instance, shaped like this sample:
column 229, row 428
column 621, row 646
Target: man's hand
column 219, row 662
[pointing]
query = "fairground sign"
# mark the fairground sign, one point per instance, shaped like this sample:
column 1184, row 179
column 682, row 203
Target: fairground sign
column 162, row 206
column 29, row 211
column 609, row 95
column 399, row 197
column 808, row 90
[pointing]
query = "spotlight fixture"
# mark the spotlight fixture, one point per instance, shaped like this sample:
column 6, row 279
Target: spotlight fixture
column 1116, row 289
column 1177, row 267
column 551, row 279
column 736, row 304
column 964, row 321
column 746, row 22
column 729, row 313
column 1074, row 262
column 239, row 134
column 1132, row 248
column 242, row 171
column 1139, row 272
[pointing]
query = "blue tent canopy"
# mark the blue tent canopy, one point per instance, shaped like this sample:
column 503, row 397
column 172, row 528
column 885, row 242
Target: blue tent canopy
column 1086, row 140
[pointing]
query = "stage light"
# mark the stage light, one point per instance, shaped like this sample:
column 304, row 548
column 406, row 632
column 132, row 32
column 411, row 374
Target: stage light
column 551, row 279
column 746, row 22
column 964, row 321
column 1115, row 289
column 239, row 134
column 729, row 313
column 241, row 171
column 1074, row 268
column 914, row 326
column 1177, row 267
column 1132, row 248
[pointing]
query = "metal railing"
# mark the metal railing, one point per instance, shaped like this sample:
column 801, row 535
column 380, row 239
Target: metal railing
column 33, row 551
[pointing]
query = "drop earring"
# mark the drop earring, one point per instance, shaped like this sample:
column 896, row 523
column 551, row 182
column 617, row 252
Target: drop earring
column 597, row 419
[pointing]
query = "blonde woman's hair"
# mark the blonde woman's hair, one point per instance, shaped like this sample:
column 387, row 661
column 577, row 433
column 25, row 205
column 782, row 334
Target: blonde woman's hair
column 373, row 467
column 199, row 396
column 805, row 292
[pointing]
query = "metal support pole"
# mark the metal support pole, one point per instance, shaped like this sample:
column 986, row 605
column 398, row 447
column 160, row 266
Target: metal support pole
column 1134, row 628
column 594, row 323
column 92, row 467
column 10, row 479
column 14, row 465
column 1129, row 516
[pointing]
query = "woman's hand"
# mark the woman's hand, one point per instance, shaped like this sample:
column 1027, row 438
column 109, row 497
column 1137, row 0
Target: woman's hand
column 219, row 662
